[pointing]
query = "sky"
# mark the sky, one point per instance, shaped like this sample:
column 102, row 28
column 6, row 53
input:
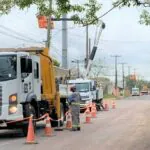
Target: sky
column 122, row 36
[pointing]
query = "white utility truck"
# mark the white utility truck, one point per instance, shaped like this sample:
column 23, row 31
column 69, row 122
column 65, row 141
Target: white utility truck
column 27, row 87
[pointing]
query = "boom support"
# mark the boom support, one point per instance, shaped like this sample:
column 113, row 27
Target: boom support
column 96, row 42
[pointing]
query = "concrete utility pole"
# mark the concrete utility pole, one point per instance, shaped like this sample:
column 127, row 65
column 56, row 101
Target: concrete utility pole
column 64, row 43
column 116, row 71
column 129, row 67
column 64, row 20
column 87, row 46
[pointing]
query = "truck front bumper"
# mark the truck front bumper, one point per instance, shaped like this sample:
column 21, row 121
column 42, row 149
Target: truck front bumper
column 5, row 116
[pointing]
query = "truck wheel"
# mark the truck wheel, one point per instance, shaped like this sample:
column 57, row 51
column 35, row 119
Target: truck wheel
column 55, row 117
column 28, row 111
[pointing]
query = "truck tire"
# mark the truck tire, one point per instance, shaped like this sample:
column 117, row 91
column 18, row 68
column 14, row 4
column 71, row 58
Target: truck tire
column 55, row 117
column 28, row 111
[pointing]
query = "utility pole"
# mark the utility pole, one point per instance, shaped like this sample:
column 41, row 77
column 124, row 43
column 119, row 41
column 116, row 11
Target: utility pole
column 135, row 76
column 87, row 46
column 123, row 76
column 64, row 20
column 64, row 43
column 49, row 26
column 116, row 72
column 129, row 67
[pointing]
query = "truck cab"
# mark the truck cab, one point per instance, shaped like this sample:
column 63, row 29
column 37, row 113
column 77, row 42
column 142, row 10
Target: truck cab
column 135, row 91
column 27, row 87
column 17, row 83
column 88, row 91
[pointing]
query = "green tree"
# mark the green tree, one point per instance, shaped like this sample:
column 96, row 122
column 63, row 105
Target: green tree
column 145, row 15
column 82, row 13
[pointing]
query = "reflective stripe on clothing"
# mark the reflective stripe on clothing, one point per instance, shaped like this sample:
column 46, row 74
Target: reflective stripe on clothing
column 75, row 103
column 75, row 126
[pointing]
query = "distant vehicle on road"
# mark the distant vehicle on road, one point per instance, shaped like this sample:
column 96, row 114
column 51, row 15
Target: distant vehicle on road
column 135, row 91
column 144, row 90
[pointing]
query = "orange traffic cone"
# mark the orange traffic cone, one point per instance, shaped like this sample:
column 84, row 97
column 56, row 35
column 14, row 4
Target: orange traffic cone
column 69, row 120
column 93, row 112
column 87, row 115
column 31, row 135
column 48, row 128
column 113, row 105
column 106, row 106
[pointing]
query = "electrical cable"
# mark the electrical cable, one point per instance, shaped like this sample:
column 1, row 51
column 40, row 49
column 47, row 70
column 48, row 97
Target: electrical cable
column 19, row 34
column 104, row 14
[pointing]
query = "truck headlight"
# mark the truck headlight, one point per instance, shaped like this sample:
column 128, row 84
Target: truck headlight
column 13, row 103
column 13, row 98
column 87, row 102
column 12, row 109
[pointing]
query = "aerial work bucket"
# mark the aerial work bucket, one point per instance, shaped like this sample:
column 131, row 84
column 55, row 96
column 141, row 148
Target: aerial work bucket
column 43, row 22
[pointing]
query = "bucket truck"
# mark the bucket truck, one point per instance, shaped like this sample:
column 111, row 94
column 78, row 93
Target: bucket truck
column 88, row 89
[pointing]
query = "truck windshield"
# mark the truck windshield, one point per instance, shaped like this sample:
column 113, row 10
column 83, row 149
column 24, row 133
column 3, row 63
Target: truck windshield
column 8, row 67
column 82, row 87
column 135, row 90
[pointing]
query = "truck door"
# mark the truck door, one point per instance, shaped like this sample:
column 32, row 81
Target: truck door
column 26, row 77
column 36, row 77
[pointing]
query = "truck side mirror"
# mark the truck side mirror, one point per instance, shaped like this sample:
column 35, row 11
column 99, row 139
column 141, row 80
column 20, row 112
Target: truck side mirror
column 26, row 65
column 94, row 88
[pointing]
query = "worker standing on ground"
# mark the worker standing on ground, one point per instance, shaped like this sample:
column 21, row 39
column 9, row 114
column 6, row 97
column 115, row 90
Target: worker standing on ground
column 74, row 101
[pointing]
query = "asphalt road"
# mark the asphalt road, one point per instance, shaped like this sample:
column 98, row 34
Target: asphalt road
column 125, row 128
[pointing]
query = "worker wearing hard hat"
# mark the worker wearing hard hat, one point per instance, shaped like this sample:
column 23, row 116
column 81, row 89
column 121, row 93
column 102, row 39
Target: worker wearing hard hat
column 74, row 101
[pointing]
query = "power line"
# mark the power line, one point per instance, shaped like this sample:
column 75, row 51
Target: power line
column 19, row 34
column 13, row 36
column 113, row 41
column 118, row 41
column 111, row 9
column 21, row 18
column 107, row 12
